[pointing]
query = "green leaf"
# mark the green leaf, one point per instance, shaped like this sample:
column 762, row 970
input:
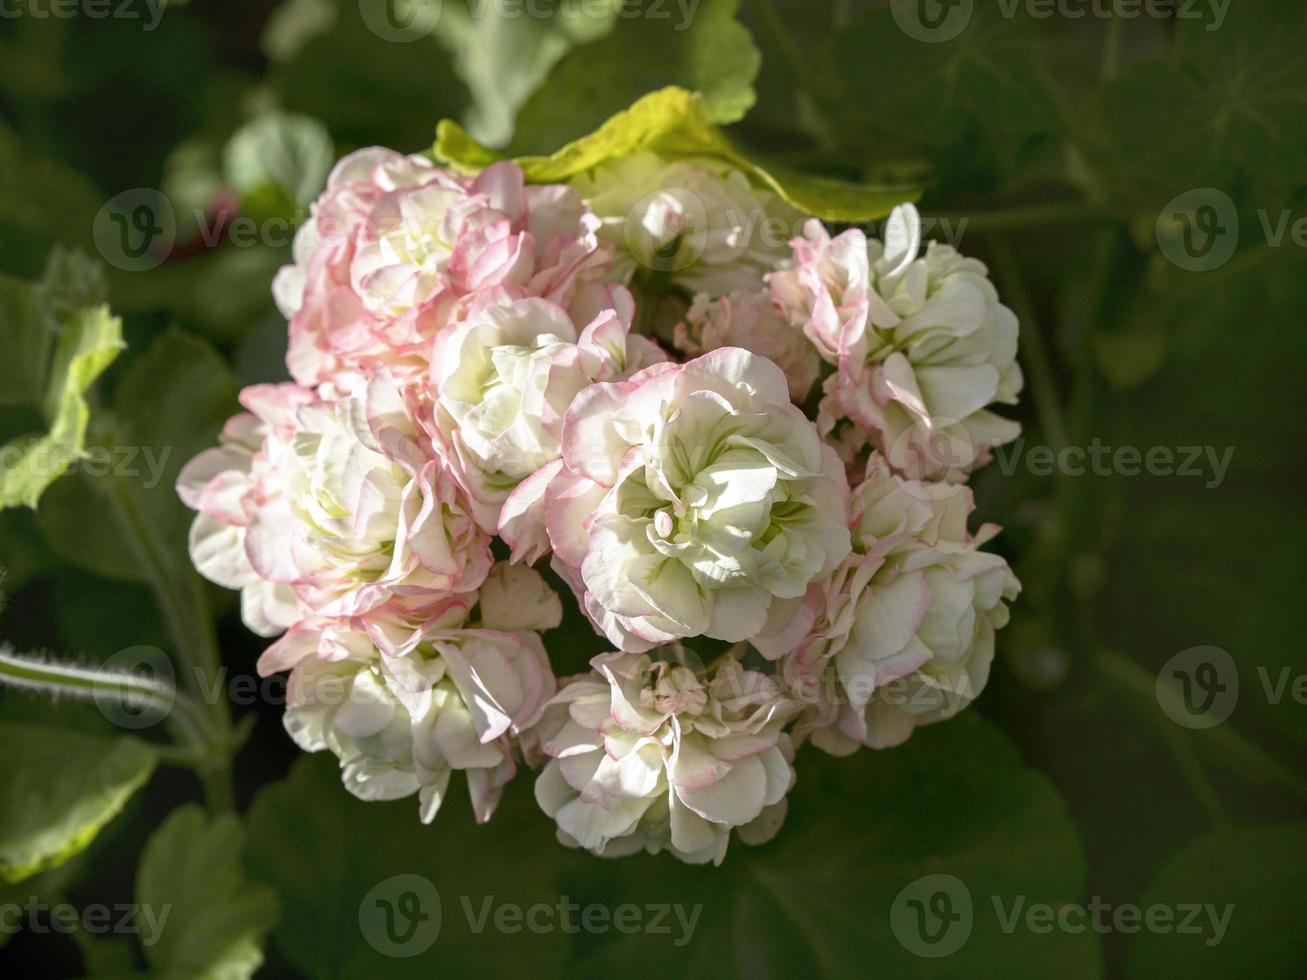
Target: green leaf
column 170, row 404
column 957, row 800
column 503, row 56
column 337, row 862
column 279, row 155
column 25, row 340
column 87, row 345
column 1251, row 878
column 653, row 45
column 216, row 919
column 677, row 123
column 1229, row 102
column 59, row 790
column 829, row 893
column 976, row 105
column 51, row 203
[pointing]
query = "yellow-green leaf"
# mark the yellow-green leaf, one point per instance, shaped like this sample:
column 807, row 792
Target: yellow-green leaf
column 678, row 123
column 87, row 345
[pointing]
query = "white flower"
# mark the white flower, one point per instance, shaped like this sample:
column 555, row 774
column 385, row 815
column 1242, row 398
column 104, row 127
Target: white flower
column 922, row 344
column 748, row 319
column 403, row 717
column 651, row 756
column 504, row 375
column 698, row 222
column 686, row 500
column 902, row 633
column 220, row 483
column 356, row 509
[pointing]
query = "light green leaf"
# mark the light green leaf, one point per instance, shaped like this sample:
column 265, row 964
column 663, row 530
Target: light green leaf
column 1247, row 887
column 170, row 404
column 87, row 345
column 677, row 123
column 58, row 790
column 279, row 155
column 504, row 56
column 215, row 918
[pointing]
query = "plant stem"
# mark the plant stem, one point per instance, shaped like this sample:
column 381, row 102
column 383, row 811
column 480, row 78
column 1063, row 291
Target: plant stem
column 123, row 689
column 1112, row 46
column 1240, row 754
column 185, row 612
column 1035, row 353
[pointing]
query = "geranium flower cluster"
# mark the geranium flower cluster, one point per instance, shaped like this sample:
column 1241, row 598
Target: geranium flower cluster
column 720, row 443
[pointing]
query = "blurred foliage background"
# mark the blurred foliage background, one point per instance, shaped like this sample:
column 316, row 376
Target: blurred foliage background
column 1051, row 145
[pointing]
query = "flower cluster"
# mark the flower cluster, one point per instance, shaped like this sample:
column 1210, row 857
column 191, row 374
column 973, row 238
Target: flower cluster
column 485, row 367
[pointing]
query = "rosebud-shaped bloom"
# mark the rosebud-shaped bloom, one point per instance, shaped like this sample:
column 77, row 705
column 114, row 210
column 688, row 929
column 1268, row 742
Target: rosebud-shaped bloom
column 345, row 505
column 686, row 500
column 504, row 375
column 698, row 222
column 922, row 344
column 823, row 287
column 452, row 696
column 394, row 241
column 902, row 633
column 221, row 484
column 651, row 756
column 748, row 319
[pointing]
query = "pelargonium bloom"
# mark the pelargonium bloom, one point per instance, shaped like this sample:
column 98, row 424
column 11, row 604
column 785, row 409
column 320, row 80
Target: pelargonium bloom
column 504, row 375
column 902, row 633
column 394, row 241
column 221, row 484
column 346, row 504
column 699, row 222
column 749, row 319
column 686, row 500
column 453, row 697
column 921, row 342
column 648, row 755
